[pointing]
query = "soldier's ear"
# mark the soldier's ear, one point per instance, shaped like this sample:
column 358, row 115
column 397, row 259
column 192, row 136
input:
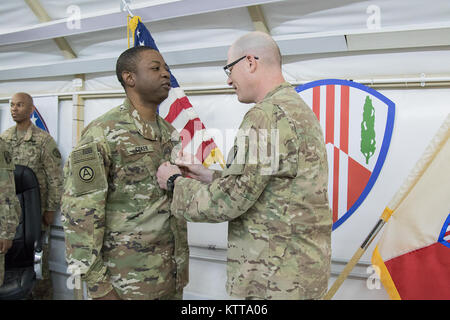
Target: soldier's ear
column 252, row 63
column 129, row 78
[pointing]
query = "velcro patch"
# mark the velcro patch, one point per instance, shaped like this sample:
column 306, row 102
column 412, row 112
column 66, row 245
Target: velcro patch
column 87, row 170
column 232, row 155
column 56, row 153
column 84, row 154
column 8, row 157
column 6, row 160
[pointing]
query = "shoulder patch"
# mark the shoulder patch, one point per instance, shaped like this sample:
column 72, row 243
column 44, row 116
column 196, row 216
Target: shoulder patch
column 8, row 157
column 88, row 173
column 232, row 155
column 84, row 154
column 6, row 160
column 235, row 164
column 56, row 153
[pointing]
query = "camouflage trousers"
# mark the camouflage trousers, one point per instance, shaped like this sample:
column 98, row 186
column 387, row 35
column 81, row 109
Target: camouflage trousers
column 43, row 289
column 2, row 268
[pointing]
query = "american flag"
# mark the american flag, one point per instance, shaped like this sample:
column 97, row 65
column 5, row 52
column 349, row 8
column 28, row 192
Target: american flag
column 178, row 111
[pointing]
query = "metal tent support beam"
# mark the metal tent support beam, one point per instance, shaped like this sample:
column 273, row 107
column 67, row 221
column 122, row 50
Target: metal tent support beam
column 257, row 16
column 148, row 13
column 43, row 16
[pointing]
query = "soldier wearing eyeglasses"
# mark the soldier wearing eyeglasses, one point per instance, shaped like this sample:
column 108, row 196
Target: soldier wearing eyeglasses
column 279, row 232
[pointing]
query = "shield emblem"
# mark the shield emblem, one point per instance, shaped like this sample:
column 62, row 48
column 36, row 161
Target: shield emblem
column 444, row 236
column 357, row 123
column 38, row 120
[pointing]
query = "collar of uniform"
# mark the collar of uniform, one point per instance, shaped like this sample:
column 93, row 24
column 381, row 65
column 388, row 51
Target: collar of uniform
column 276, row 89
column 144, row 129
column 28, row 134
column 10, row 134
column 165, row 131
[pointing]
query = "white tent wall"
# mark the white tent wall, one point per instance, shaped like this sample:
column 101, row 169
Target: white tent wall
column 318, row 39
column 419, row 112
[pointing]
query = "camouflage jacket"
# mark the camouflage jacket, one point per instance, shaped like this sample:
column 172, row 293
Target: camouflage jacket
column 38, row 151
column 9, row 204
column 274, row 195
column 119, row 231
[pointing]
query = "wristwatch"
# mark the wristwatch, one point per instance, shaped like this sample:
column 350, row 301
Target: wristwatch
column 171, row 182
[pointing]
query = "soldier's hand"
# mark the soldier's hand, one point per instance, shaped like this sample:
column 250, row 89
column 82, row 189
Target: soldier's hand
column 165, row 171
column 48, row 217
column 5, row 245
column 197, row 172
column 112, row 295
column 192, row 167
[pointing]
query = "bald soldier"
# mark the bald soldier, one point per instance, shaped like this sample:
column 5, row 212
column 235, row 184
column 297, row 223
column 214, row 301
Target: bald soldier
column 36, row 149
column 120, row 236
column 9, row 205
column 273, row 190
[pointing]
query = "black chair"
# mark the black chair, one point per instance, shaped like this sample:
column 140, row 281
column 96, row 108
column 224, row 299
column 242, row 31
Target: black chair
column 20, row 258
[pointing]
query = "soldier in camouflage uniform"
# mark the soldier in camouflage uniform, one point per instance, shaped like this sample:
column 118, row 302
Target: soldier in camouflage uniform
column 9, row 205
column 36, row 149
column 273, row 191
column 120, row 235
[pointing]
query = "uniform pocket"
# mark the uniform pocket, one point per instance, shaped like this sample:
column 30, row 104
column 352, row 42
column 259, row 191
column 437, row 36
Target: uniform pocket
column 134, row 169
column 136, row 165
column 135, row 179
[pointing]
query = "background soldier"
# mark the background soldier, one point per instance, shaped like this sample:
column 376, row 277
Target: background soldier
column 9, row 205
column 36, row 149
column 120, row 235
column 279, row 232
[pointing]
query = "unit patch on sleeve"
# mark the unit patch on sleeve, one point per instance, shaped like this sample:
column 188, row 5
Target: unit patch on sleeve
column 87, row 169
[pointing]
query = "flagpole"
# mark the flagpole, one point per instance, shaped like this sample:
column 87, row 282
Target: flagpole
column 127, row 8
column 430, row 152
column 358, row 254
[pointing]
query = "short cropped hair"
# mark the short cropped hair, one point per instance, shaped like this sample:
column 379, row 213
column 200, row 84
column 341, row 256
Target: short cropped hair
column 260, row 44
column 128, row 60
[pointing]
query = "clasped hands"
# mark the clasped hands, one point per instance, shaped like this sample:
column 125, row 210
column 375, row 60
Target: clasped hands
column 185, row 164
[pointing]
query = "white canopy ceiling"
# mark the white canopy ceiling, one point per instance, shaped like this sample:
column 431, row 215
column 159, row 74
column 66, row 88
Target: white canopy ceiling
column 348, row 39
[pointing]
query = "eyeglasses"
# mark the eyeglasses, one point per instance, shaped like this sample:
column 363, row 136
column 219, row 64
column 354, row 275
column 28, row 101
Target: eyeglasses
column 229, row 66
